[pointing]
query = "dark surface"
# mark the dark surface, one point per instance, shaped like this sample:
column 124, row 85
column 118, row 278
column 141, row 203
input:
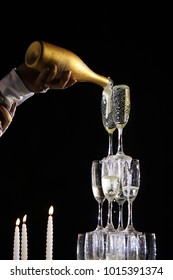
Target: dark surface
column 46, row 153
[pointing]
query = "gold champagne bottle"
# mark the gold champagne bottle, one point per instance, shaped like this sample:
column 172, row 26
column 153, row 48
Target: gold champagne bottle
column 41, row 54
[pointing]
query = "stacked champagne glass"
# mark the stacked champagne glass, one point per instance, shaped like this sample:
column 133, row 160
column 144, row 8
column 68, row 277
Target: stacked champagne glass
column 116, row 179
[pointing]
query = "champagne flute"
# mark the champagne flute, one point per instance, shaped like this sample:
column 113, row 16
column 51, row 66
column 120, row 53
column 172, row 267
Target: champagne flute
column 121, row 112
column 151, row 253
column 109, row 125
column 97, row 190
column 91, row 244
column 130, row 186
column 119, row 196
column 107, row 117
column 115, row 246
column 110, row 185
column 80, row 246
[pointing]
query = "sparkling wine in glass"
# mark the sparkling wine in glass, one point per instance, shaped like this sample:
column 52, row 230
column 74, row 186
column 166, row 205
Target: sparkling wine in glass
column 107, row 117
column 121, row 111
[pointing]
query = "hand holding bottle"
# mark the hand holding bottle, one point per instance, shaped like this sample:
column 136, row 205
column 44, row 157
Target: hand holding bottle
column 46, row 79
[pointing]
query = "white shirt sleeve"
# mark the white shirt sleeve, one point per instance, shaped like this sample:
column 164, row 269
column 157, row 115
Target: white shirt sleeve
column 13, row 92
column 13, row 89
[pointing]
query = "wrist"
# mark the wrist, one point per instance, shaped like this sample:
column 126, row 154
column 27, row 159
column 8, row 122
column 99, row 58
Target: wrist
column 13, row 89
column 27, row 76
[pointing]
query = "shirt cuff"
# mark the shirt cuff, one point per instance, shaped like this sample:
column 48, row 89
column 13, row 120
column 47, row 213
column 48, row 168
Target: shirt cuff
column 13, row 89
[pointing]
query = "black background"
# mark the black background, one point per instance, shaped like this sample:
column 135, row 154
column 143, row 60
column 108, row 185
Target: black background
column 47, row 151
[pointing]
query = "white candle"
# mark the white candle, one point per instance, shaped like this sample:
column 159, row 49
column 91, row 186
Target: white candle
column 16, row 248
column 24, row 243
column 49, row 238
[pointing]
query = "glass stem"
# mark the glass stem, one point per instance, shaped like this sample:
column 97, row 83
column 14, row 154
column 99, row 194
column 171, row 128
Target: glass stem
column 130, row 215
column 109, row 220
column 100, row 214
column 110, row 151
column 120, row 140
column 120, row 217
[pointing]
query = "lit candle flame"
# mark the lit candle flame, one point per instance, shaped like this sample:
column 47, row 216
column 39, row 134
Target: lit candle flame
column 18, row 222
column 24, row 241
column 51, row 210
column 16, row 248
column 24, row 219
